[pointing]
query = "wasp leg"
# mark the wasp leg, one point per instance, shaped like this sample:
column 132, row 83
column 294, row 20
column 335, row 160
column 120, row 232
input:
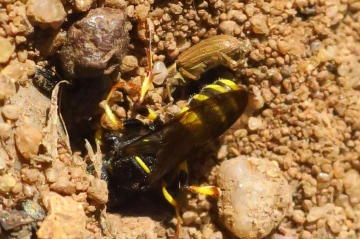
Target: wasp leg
column 207, row 190
column 148, row 113
column 174, row 203
column 110, row 118
column 183, row 183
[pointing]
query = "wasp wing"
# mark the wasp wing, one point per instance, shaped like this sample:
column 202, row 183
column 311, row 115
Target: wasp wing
column 177, row 139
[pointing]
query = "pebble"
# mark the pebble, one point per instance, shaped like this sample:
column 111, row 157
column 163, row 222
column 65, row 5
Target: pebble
column 351, row 182
column 83, row 5
column 252, row 188
column 6, row 49
column 98, row 191
column 7, row 182
column 11, row 112
column 189, row 217
column 16, row 70
column 298, row 216
column 66, row 218
column 129, row 63
column 228, row 27
column 30, row 175
column 316, row 213
column 46, row 13
column 64, row 186
column 259, row 24
column 4, row 158
column 27, row 140
column 7, row 87
column 5, row 130
column 161, row 72
column 255, row 123
column 52, row 174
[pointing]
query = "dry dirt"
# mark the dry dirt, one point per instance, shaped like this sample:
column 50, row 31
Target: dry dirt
column 304, row 64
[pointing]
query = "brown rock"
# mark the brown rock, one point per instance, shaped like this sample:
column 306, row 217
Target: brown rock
column 93, row 42
column 66, row 219
column 259, row 24
column 28, row 139
column 98, row 191
column 63, row 185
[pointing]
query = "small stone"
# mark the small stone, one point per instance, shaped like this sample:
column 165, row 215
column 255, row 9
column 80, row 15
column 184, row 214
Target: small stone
column 30, row 175
column 120, row 4
column 52, row 174
column 66, row 219
column 7, row 87
column 15, row 71
column 160, row 71
column 83, row 5
column 63, row 185
column 259, row 24
column 175, row 9
column 98, row 191
column 189, row 217
column 223, row 152
column 6, row 49
column 228, row 27
column 283, row 47
column 46, row 13
column 11, row 112
column 316, row 213
column 5, row 130
column 128, row 63
column 28, row 139
column 334, row 226
column 298, row 216
column 7, row 182
column 252, row 188
column 354, row 6
column 351, row 182
column 255, row 123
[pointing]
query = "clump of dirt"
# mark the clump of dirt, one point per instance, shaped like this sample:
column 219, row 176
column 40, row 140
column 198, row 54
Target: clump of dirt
column 303, row 66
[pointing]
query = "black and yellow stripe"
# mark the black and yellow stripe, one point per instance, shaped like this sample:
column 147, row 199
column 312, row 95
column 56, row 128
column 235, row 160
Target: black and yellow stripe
column 141, row 162
column 211, row 112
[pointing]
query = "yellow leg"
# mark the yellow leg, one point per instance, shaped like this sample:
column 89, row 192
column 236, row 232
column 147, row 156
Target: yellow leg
column 173, row 202
column 207, row 190
column 183, row 174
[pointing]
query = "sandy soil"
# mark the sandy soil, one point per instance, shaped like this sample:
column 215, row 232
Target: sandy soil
column 303, row 64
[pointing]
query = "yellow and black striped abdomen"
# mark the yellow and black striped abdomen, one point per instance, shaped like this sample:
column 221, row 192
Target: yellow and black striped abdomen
column 208, row 115
column 211, row 112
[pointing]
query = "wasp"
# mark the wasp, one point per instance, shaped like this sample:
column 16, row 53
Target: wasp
column 140, row 156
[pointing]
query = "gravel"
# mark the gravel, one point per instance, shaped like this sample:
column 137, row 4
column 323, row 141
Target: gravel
column 303, row 68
